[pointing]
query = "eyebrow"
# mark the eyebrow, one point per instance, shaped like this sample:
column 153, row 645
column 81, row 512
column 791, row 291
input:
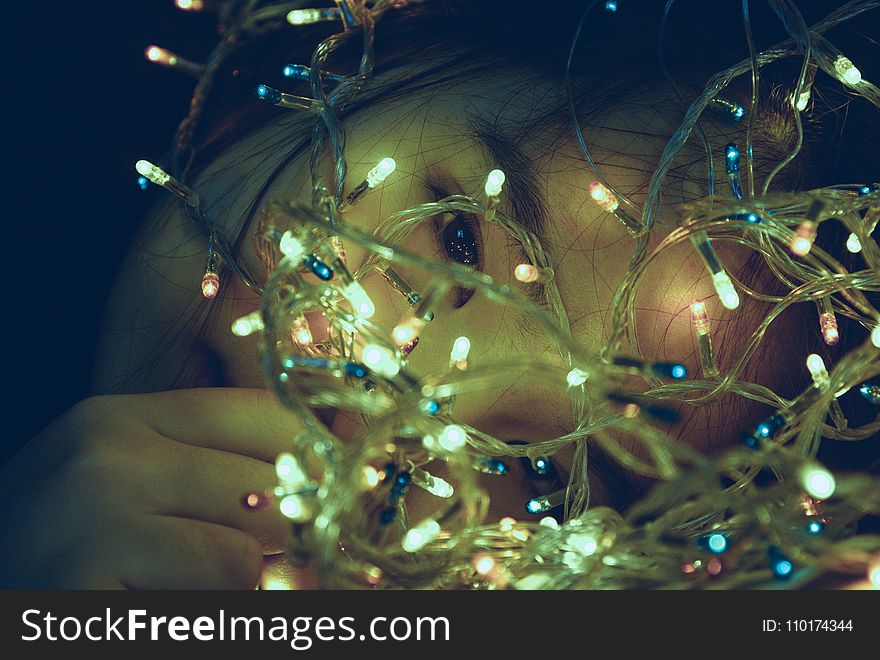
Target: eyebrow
column 526, row 198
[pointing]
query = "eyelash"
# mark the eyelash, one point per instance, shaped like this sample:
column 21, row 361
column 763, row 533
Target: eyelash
column 457, row 240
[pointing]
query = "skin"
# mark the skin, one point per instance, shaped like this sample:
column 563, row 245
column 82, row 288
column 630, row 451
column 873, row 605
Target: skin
column 138, row 444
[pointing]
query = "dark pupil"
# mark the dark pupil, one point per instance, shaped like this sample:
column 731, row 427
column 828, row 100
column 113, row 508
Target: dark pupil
column 460, row 242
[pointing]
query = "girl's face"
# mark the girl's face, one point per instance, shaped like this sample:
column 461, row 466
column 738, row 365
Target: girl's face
column 439, row 152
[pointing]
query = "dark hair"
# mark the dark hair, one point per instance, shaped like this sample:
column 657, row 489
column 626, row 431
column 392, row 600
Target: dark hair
column 616, row 62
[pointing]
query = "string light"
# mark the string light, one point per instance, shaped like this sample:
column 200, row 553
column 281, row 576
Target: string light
column 304, row 73
column 805, row 234
column 608, row 202
column 362, row 366
column 731, row 161
column 730, row 109
column 381, row 361
column 309, row 16
column 161, row 178
column 492, row 189
column 211, row 279
column 528, row 273
column 702, row 329
column 375, row 177
column 166, row 58
column 828, row 323
column 818, row 481
column 720, row 279
column 847, row 71
column 458, row 356
column 285, row 100
column 545, row 503
column 419, row 536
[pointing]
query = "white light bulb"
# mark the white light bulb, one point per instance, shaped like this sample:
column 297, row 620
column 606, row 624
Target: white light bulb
column 724, row 288
column 381, row 361
column 576, row 377
column 453, row 438
column 875, row 336
column 359, row 299
column 494, row 183
column 420, row 535
column 291, row 246
column 818, row 482
column 461, row 348
column 381, row 172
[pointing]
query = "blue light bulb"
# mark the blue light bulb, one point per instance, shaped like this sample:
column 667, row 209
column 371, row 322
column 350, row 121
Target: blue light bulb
column 611, row 5
column 143, row 182
column 731, row 157
column 815, row 527
column 715, row 542
column 269, row 94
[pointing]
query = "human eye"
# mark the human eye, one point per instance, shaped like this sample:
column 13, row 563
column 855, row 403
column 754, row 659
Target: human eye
column 458, row 239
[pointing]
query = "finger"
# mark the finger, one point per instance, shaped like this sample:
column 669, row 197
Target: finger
column 177, row 553
column 243, row 421
column 210, row 485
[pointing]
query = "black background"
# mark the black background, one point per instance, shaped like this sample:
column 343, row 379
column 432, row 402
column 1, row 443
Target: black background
column 82, row 105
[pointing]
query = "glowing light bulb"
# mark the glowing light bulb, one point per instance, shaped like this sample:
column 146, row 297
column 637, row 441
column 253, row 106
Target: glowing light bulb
column 829, row 329
column 875, row 336
column 437, row 486
column 143, row 182
column 715, row 542
column 153, row 173
column 611, row 5
column 247, row 325
column 549, row 522
column 190, row 5
column 494, row 183
column 545, row 503
column 526, row 273
column 731, row 159
column 288, row 470
column 452, row 438
column 847, row 71
column 381, row 172
column 576, row 377
column 484, row 564
column 300, row 331
column 734, row 111
column 308, row 16
column 160, row 177
column 699, row 317
column 816, row 367
column 160, row 55
column 291, row 246
column 369, row 477
column 853, row 244
column 210, row 285
column 419, row 536
column 407, row 331
column 724, row 287
column 461, row 348
column 492, row 188
column 818, row 481
column 360, row 301
column 802, row 241
column 293, row 508
column 874, row 573
column 603, row 197
column 802, row 101
column 381, row 361
column 167, row 58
